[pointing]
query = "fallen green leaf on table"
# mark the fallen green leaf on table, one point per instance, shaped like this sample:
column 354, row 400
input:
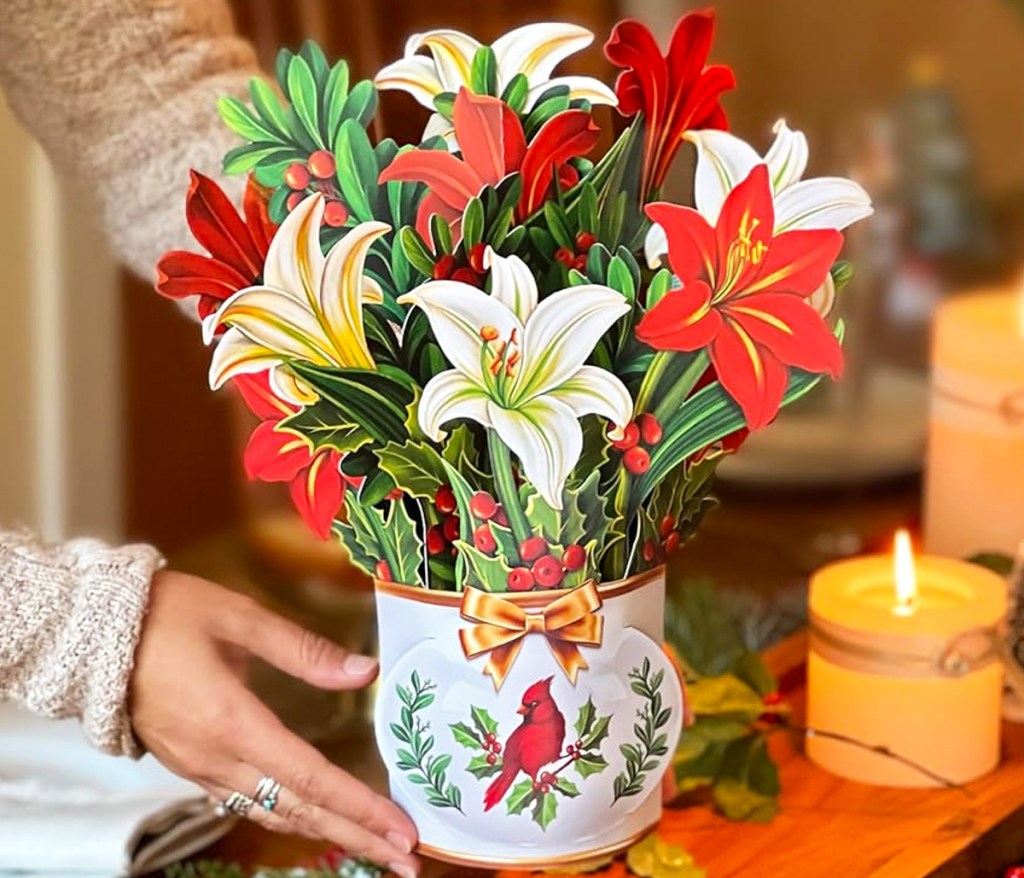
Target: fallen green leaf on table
column 653, row 857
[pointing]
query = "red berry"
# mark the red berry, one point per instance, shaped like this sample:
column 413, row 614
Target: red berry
column 294, row 200
column 637, row 460
column 490, row 738
column 545, row 788
column 672, row 542
column 569, row 750
column 547, row 777
column 548, row 571
column 322, row 164
column 491, row 759
column 476, row 257
column 296, row 176
column 576, row 755
column 395, row 494
column 495, row 747
column 668, row 524
column 444, row 267
column 773, row 698
column 451, row 528
column 483, row 505
column 584, row 241
column 574, row 557
column 536, row 786
column 630, row 436
column 649, row 550
column 520, row 579
column 580, row 264
column 484, row 540
column 565, row 256
column 383, row 571
column 500, row 517
column 532, row 548
column 335, row 214
column 1014, row 872
column 466, row 276
column 444, row 499
column 650, row 429
column 436, row 542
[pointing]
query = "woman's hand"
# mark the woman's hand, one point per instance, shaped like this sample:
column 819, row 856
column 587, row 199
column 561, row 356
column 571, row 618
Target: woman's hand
column 192, row 711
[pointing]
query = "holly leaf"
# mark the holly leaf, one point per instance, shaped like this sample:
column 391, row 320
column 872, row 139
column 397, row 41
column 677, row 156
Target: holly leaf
column 521, row 795
column 321, row 424
column 408, row 546
column 585, row 719
column 567, row 788
column 750, row 669
column 464, row 735
column 483, row 571
column 415, row 466
column 480, row 769
column 590, row 763
column 545, row 810
column 598, row 733
column 544, row 519
column 484, row 722
column 747, row 784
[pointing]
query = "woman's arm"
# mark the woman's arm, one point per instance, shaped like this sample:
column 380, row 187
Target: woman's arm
column 70, row 617
column 122, row 95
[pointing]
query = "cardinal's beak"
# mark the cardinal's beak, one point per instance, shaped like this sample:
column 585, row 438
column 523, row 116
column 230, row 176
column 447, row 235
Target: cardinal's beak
column 521, row 709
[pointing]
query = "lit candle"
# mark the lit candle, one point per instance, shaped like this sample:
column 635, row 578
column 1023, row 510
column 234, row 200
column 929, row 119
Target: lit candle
column 904, row 656
column 974, row 490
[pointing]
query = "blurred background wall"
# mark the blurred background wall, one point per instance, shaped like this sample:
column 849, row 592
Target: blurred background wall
column 108, row 425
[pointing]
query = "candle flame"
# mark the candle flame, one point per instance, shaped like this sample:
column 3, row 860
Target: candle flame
column 906, row 575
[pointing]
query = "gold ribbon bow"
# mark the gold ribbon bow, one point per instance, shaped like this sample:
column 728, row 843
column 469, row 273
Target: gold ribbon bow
column 567, row 622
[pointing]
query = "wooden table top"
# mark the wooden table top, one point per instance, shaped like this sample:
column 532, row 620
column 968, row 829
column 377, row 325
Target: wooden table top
column 826, row 826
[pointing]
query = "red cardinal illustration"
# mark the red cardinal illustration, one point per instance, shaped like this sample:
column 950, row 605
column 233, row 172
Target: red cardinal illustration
column 536, row 743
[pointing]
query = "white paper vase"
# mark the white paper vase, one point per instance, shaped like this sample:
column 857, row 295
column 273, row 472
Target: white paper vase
column 591, row 657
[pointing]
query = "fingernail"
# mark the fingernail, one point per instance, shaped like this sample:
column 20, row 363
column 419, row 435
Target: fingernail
column 402, row 870
column 397, row 840
column 359, row 664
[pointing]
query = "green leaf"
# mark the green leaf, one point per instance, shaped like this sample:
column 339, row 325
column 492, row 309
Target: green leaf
column 590, row 764
column 483, row 74
column 239, row 119
column 281, row 63
column 620, row 278
column 660, row 284
column 545, row 810
column 567, row 788
column 356, row 170
column 415, row 467
column 585, row 718
column 440, row 234
column 302, row 92
column 464, row 735
column 377, row 399
column 483, row 571
column 520, row 796
column 361, row 104
column 1001, row 564
column 472, row 223
column 842, row 274
column 408, row 548
column 323, row 426
column 244, row 158
column 317, row 61
column 516, row 92
column 484, row 722
column 750, row 668
column 335, row 98
column 416, row 251
column 558, row 226
column 480, row 768
column 724, row 696
column 598, row 732
column 269, row 107
column 747, row 784
column 544, row 519
column 444, row 103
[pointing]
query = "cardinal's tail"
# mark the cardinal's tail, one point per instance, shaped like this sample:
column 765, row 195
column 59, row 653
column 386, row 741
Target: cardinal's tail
column 496, row 791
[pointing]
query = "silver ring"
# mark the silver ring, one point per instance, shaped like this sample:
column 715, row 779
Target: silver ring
column 237, row 803
column 267, row 791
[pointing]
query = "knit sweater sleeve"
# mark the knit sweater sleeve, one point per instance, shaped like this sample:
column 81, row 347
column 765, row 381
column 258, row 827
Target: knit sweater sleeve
column 122, row 95
column 70, row 617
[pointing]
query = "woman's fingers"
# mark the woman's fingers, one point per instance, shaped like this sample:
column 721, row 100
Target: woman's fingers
column 296, row 651
column 263, row 741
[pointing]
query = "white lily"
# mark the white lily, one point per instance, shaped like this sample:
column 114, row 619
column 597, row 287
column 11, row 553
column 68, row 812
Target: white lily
column 723, row 161
column 533, row 50
column 309, row 307
column 519, row 366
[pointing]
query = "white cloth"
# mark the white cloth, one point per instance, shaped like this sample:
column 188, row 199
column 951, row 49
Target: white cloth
column 68, row 810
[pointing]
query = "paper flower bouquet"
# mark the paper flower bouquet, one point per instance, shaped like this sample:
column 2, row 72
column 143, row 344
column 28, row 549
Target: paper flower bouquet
column 501, row 370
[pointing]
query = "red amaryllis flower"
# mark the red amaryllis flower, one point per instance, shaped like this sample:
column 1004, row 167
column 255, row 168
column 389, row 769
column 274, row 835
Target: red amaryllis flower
column 237, row 246
column 675, row 92
column 493, row 145
column 744, row 296
column 271, row 455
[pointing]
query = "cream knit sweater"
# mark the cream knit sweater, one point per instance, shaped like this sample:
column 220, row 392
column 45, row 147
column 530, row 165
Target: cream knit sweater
column 122, row 95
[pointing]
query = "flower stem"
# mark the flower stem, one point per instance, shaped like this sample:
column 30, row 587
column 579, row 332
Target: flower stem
column 678, row 392
column 505, row 485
